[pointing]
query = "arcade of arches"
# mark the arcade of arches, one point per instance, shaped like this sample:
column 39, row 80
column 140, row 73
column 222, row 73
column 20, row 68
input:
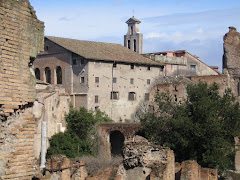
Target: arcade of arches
column 47, row 76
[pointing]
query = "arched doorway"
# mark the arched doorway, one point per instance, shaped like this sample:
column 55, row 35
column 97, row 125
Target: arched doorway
column 117, row 142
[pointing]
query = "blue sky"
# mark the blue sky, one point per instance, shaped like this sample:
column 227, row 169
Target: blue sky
column 197, row 26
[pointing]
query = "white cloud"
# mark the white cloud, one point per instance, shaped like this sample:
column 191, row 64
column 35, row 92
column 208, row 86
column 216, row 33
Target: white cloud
column 155, row 35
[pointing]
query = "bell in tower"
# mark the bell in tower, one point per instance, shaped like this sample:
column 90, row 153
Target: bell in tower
column 133, row 39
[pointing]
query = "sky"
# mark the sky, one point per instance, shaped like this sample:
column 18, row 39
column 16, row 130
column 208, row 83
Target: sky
column 197, row 26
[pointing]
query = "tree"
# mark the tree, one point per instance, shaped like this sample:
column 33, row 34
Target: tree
column 79, row 139
column 202, row 128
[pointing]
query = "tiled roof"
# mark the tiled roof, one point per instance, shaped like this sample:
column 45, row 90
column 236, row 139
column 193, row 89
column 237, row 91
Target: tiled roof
column 102, row 51
column 133, row 19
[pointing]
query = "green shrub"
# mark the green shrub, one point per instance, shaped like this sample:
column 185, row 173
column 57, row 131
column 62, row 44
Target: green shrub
column 202, row 128
column 79, row 139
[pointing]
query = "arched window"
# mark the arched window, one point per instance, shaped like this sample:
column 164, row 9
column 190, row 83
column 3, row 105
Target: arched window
column 37, row 73
column 59, row 75
column 131, row 30
column 48, row 75
column 129, row 44
column 117, row 142
column 135, row 45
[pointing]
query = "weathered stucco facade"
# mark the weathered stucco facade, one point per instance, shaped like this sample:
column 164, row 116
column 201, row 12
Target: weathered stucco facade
column 21, row 39
column 115, row 87
column 50, row 107
column 181, row 63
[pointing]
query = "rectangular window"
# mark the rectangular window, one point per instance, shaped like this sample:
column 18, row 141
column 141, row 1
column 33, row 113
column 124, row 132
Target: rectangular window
column 193, row 69
column 148, row 81
column 147, row 96
column 96, row 79
column 148, row 68
column 131, row 96
column 114, row 95
column 96, row 99
column 114, row 80
column 131, row 81
column 114, row 65
column 82, row 80
column 132, row 66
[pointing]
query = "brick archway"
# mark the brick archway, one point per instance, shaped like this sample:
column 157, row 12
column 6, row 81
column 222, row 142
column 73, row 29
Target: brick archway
column 104, row 130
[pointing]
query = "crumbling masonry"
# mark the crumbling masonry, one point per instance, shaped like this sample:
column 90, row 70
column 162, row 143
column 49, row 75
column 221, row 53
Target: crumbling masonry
column 21, row 39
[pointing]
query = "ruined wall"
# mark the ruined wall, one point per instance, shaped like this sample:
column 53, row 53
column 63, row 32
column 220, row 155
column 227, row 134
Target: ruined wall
column 177, row 86
column 104, row 130
column 147, row 161
column 21, row 38
column 231, row 57
column 191, row 170
column 51, row 106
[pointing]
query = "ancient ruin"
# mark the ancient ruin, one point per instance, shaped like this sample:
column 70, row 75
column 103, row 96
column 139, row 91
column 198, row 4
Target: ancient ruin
column 32, row 111
column 21, row 37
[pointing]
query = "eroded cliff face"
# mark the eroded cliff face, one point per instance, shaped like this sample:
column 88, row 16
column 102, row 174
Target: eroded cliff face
column 231, row 56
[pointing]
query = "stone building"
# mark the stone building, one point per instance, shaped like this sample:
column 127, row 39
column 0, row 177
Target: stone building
column 108, row 76
column 98, row 75
column 182, row 63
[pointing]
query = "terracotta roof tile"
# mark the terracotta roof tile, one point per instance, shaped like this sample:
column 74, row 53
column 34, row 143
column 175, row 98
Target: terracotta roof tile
column 102, row 51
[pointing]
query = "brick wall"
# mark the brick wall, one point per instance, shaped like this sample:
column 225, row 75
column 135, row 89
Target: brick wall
column 21, row 38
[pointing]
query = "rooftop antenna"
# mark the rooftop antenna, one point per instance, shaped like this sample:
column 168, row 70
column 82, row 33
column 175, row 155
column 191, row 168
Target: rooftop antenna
column 133, row 12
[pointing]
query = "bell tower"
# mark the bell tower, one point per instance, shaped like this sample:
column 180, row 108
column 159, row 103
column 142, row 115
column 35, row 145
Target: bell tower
column 133, row 39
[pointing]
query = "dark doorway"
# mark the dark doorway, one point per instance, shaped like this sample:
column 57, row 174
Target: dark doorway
column 117, row 142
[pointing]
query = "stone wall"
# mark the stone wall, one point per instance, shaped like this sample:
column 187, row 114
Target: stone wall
column 231, row 47
column 21, row 38
column 177, row 86
column 127, row 129
column 147, row 161
column 51, row 106
column 191, row 170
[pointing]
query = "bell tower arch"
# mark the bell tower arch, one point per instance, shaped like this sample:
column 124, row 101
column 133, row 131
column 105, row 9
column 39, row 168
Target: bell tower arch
column 133, row 39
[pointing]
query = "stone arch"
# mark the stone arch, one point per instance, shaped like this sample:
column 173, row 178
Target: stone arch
column 37, row 73
column 104, row 135
column 117, row 141
column 48, row 75
column 59, row 75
